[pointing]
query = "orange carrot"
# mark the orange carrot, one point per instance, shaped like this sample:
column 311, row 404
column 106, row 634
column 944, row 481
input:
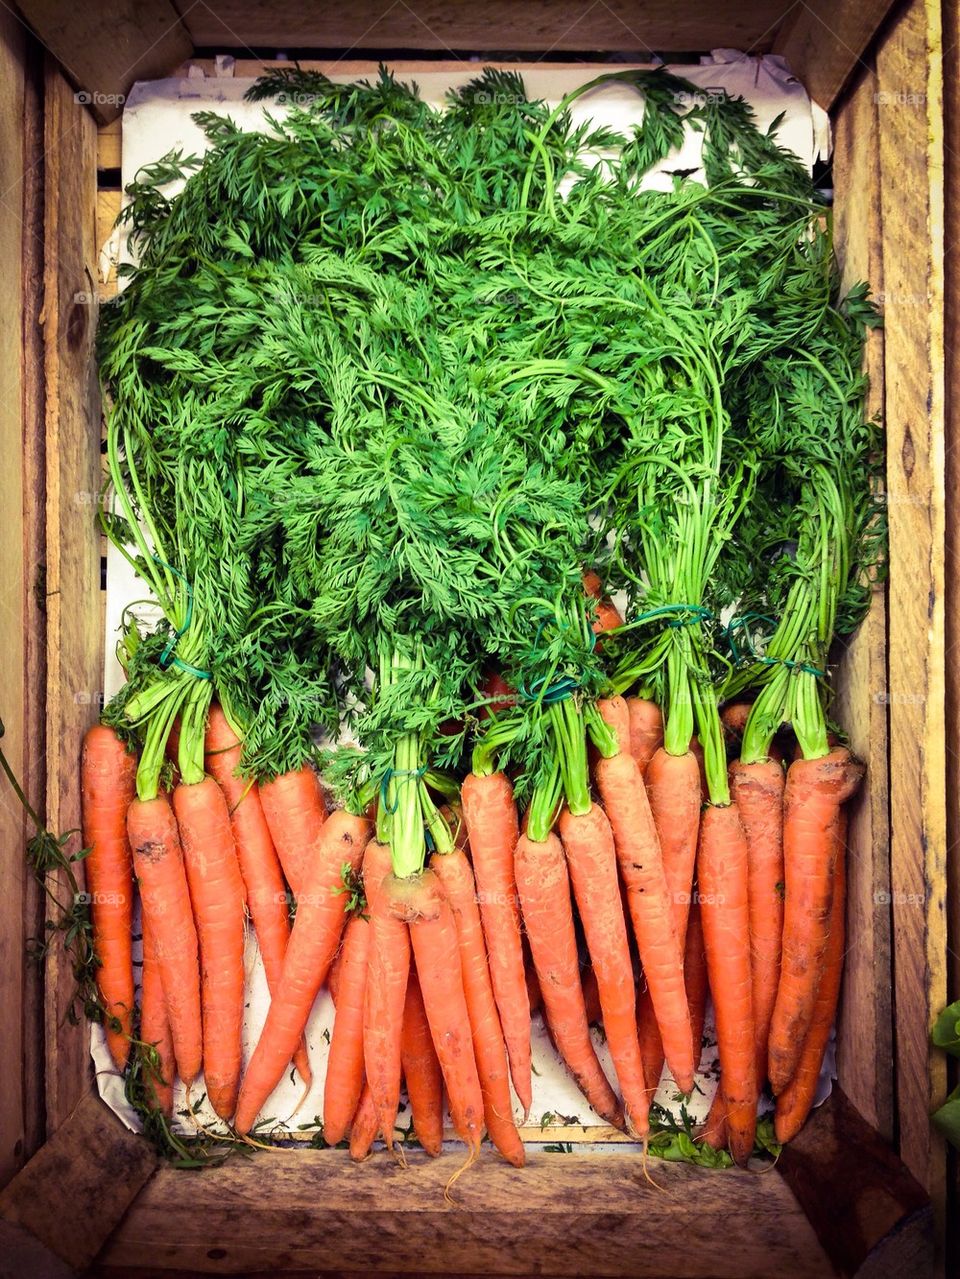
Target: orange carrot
column 714, row 1131
column 456, row 879
column 363, row 1129
column 674, row 791
column 589, row 847
column 607, row 616
column 388, row 970
column 648, row 1033
column 722, row 864
column 615, row 712
column 108, row 774
column 165, row 897
column 814, row 791
column 646, row 730
column 653, row 913
column 544, row 884
column 757, row 790
column 344, row 1080
column 321, row 914
column 695, row 978
column 419, row 901
column 591, row 996
column 421, row 1071
column 491, row 819
column 216, row 894
column 259, row 864
column 295, row 809
column 794, row 1101
column 734, row 718
column 155, row 1030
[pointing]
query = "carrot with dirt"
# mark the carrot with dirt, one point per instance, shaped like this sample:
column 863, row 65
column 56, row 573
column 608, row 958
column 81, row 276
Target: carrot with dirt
column 794, row 1102
column 723, row 872
column 588, row 844
column 814, row 792
column 419, row 901
column 490, row 814
column 364, row 1126
column 295, row 810
column 165, row 898
column 452, row 868
column 388, row 971
column 217, row 897
column 421, row 1071
column 107, row 787
column 314, row 939
column 653, row 912
column 259, row 865
column 345, row 1073
column 160, row 1067
column 646, row 730
column 543, row 881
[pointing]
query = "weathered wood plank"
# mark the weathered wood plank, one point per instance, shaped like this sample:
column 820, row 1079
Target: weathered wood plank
column 72, row 587
column 14, row 831
column 104, row 47
column 865, row 1023
column 951, row 78
column 853, row 1188
column 824, row 41
column 561, row 1215
column 536, row 26
column 75, row 1190
column 109, row 145
column 910, row 110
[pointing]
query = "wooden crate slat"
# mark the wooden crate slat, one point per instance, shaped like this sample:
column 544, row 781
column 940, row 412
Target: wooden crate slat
column 74, row 628
column 857, row 1194
column 76, row 1189
column 865, row 1055
column 824, row 42
column 565, row 1214
column 14, row 828
column 910, row 101
column 104, row 47
column 536, row 26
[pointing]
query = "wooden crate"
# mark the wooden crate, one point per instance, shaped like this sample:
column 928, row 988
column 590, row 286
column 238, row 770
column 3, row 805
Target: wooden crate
column 864, row 1189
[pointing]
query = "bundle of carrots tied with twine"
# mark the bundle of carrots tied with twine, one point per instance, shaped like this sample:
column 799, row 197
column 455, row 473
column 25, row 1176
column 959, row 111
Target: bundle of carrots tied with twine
column 398, row 397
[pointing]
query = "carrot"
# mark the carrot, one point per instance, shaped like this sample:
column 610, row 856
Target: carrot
column 814, row 791
column 295, row 809
column 673, row 790
column 321, row 913
column 421, row 1071
column 363, row 1129
column 591, row 996
column 589, row 847
column 155, row 1030
column 794, row 1101
column 757, row 790
column 419, row 901
column 259, row 864
column 534, row 993
column 607, row 616
column 653, row 914
column 491, row 819
column 344, row 1080
column 714, row 1131
column 456, row 879
column 216, row 894
column 648, row 1033
column 108, row 774
column 722, row 863
column 165, row 897
column 388, row 970
column 543, row 881
column 695, row 978
column 646, row 730
column 615, row 712
column 734, row 718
